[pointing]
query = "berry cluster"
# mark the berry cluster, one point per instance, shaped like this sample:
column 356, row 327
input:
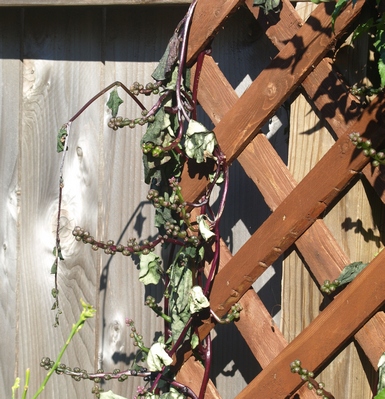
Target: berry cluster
column 110, row 248
column 234, row 314
column 368, row 150
column 308, row 376
column 138, row 339
column 119, row 122
column 362, row 91
column 151, row 303
column 330, row 286
column 151, row 88
column 78, row 374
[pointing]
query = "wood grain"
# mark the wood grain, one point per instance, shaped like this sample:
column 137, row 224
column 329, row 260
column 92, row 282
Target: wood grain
column 352, row 308
column 294, row 215
column 10, row 93
column 286, row 71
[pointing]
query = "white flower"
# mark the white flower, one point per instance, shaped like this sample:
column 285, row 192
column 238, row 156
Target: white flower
column 197, row 300
column 157, row 357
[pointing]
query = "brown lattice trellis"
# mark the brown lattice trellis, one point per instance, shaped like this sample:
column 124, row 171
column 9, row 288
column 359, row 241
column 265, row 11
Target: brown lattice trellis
column 297, row 208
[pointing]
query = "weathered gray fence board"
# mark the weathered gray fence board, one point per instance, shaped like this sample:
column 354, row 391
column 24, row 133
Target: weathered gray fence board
column 53, row 90
column 9, row 192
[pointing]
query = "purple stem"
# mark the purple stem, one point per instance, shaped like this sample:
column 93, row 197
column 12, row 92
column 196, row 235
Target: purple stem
column 94, row 98
column 207, row 359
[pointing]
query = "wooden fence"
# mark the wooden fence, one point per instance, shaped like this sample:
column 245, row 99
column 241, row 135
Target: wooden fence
column 45, row 69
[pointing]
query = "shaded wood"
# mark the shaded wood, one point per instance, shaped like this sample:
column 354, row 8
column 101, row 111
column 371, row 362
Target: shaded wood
column 286, row 71
column 317, row 244
column 352, row 308
column 205, row 24
column 297, row 213
column 191, row 375
column 323, row 87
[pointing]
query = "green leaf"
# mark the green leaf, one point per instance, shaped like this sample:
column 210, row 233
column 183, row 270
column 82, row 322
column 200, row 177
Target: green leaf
column 173, row 394
column 381, row 373
column 337, row 11
column 160, row 132
column 110, row 395
column 149, row 268
column 267, row 5
column 200, row 142
column 54, row 268
column 350, row 272
column 168, row 59
column 180, row 284
column 60, row 255
column 61, row 138
column 162, row 216
column 362, row 28
column 380, row 395
column 194, row 341
column 114, row 102
column 379, row 45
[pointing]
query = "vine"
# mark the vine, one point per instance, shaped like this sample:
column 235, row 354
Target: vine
column 173, row 137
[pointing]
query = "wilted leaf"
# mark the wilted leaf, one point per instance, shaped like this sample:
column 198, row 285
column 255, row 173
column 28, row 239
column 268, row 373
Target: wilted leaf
column 200, row 142
column 114, row 102
column 204, row 227
column 168, row 59
column 198, row 300
column 149, row 268
column 157, row 357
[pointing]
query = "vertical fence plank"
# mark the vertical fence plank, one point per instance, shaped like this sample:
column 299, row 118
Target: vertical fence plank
column 10, row 68
column 61, row 59
column 308, row 140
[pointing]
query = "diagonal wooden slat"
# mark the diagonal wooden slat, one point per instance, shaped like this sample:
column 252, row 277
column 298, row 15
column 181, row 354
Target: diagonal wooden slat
column 323, row 86
column 273, row 86
column 272, row 177
column 344, row 316
column 298, row 211
column 208, row 18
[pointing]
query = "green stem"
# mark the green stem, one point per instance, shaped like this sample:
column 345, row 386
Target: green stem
column 88, row 311
column 27, row 374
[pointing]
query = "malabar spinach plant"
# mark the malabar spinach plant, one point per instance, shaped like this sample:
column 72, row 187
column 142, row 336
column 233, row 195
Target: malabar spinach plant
column 173, row 138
